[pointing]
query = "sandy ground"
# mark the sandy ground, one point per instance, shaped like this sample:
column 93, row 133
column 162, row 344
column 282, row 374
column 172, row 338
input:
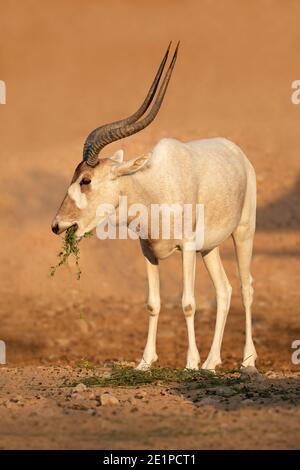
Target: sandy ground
column 69, row 68
column 37, row 411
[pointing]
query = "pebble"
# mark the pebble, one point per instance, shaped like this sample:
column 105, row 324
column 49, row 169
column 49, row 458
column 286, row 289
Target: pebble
column 80, row 388
column 109, row 400
column 79, row 396
column 140, row 395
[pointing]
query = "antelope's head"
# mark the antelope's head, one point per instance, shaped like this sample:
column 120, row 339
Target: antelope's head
column 95, row 180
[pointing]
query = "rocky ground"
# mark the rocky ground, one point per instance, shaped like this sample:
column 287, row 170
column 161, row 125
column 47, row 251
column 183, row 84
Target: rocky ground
column 37, row 410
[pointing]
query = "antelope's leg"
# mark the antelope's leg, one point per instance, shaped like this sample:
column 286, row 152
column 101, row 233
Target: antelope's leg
column 153, row 307
column 243, row 240
column 189, row 307
column 216, row 271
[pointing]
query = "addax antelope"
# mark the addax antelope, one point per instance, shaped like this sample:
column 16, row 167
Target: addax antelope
column 212, row 172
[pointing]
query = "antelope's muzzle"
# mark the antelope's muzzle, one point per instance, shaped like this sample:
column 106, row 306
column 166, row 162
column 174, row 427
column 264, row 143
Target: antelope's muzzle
column 60, row 227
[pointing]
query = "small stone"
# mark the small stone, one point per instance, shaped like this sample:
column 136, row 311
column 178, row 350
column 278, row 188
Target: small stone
column 108, row 400
column 140, row 394
column 79, row 396
column 79, row 388
column 247, row 401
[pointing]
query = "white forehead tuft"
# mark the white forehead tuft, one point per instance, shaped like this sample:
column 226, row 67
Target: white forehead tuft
column 77, row 196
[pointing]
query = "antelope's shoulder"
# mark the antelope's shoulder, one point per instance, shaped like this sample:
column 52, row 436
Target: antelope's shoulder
column 215, row 144
column 168, row 144
column 167, row 149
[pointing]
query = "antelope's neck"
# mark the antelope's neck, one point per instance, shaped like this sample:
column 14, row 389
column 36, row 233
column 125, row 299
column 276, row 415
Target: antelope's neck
column 137, row 189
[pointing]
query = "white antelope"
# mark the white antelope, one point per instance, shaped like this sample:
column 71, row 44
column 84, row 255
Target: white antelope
column 213, row 172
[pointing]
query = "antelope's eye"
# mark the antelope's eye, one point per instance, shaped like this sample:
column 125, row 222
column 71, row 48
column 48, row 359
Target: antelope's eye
column 85, row 181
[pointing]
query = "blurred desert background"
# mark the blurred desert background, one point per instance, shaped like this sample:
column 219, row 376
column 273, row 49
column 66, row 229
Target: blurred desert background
column 70, row 66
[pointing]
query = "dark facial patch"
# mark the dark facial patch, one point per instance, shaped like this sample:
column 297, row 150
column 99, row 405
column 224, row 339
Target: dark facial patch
column 82, row 169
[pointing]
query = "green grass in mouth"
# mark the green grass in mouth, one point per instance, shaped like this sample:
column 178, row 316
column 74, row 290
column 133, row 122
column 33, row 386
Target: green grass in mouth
column 70, row 247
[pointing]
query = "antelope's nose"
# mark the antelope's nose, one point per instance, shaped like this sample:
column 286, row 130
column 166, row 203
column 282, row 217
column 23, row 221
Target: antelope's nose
column 55, row 227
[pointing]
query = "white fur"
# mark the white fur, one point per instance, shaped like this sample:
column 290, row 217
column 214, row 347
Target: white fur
column 77, row 196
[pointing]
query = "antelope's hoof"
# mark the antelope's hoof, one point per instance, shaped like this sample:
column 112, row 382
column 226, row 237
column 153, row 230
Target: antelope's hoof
column 192, row 365
column 144, row 365
column 211, row 364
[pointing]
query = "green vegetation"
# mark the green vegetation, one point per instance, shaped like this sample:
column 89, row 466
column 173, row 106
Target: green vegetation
column 229, row 387
column 85, row 364
column 128, row 377
column 70, row 247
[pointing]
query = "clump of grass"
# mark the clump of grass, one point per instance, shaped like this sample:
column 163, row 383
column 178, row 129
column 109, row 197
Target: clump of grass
column 85, row 364
column 128, row 377
column 70, row 247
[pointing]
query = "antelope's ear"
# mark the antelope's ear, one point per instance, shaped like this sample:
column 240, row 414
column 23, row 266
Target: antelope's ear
column 118, row 156
column 131, row 166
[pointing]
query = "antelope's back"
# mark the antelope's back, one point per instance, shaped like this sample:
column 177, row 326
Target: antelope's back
column 213, row 172
column 211, row 164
